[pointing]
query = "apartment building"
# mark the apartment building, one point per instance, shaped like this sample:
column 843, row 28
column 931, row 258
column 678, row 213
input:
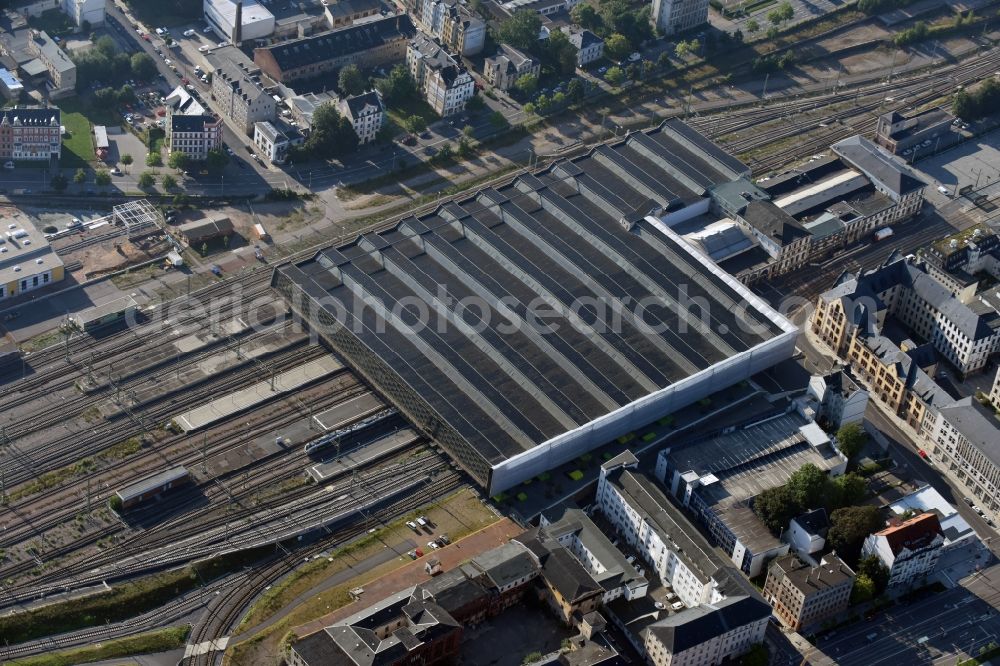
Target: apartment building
column 341, row 13
column 445, row 84
column 967, row 335
column 957, row 260
column 725, row 615
column 368, row 44
column 61, row 69
column 451, row 22
column 995, row 392
column 239, row 93
column 507, row 66
column 837, row 398
column 273, row 139
column 673, row 16
column 194, row 136
column 79, row 11
column 909, row 549
column 30, row 134
column 573, row 529
column 366, row 114
column 966, row 441
column 804, row 595
column 589, row 47
column 807, row 532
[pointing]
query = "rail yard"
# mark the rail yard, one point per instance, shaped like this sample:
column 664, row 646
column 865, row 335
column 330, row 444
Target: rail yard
column 226, row 428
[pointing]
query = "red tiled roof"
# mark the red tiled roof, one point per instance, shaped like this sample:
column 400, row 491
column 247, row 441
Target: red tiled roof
column 914, row 533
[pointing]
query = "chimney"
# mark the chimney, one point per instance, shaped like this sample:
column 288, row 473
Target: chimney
column 238, row 26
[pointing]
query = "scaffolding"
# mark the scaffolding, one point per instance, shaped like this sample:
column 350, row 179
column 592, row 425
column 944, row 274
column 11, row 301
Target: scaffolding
column 139, row 218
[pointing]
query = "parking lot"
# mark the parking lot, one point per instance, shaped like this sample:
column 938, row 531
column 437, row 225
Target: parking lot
column 973, row 163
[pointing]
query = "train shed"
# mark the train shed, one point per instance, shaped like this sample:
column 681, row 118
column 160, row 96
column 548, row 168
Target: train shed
column 99, row 316
column 153, row 486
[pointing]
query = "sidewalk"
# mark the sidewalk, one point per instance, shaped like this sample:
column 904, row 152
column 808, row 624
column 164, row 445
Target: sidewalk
column 413, row 573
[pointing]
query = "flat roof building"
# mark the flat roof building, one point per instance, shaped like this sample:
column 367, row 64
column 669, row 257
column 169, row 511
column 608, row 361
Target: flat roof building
column 27, row 261
column 257, row 21
column 510, row 404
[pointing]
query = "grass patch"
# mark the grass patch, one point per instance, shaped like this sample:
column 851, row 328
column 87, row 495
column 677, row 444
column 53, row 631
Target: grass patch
column 575, row 475
column 666, row 420
column 414, row 106
column 464, row 503
column 52, row 479
column 625, row 439
column 544, row 476
column 522, row 497
column 123, row 601
column 43, row 340
column 153, row 641
column 649, row 437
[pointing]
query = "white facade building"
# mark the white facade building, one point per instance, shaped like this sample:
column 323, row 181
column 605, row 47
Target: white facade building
column 446, row 85
column 366, row 114
column 838, row 398
column 273, row 142
column 257, row 22
column 909, row 549
column 673, row 16
column 967, row 443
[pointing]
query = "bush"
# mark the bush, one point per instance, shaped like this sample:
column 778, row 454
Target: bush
column 575, row 475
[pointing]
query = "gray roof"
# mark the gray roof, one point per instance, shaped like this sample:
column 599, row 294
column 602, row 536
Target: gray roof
column 831, row 572
column 773, row 222
column 205, row 228
column 576, row 230
column 151, row 483
column 700, row 624
column 336, row 43
column 185, row 123
column 978, row 427
column 510, row 59
column 507, row 563
column 646, row 498
column 813, row 522
column 357, row 105
column 878, row 165
column 616, row 570
column 583, row 39
column 565, row 573
column 31, row 116
column 53, row 52
column 433, row 55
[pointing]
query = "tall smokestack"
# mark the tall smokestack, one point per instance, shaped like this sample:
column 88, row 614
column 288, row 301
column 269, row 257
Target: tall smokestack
column 238, row 27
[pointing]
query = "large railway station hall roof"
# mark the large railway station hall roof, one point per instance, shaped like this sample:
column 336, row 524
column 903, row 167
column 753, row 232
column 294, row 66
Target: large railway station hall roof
column 531, row 310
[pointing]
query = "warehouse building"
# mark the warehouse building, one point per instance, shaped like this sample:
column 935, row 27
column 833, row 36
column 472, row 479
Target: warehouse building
column 257, row 22
column 637, row 323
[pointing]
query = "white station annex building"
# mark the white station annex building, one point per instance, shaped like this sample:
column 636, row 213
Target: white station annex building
column 507, row 396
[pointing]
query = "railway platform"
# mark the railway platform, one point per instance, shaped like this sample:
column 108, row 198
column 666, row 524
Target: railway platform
column 225, row 406
column 362, row 455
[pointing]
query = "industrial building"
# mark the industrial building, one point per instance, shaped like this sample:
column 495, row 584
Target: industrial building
column 367, row 45
column 718, row 477
column 923, row 133
column 532, row 322
column 27, row 261
column 257, row 21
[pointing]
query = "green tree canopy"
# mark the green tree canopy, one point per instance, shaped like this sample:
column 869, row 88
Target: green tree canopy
column 350, row 80
column 851, row 437
column 216, row 160
column 847, row 490
column 332, row 135
column 521, row 30
column 126, row 159
column 147, row 179
column 177, row 160
column 615, row 76
column 876, row 572
column 169, row 182
column 849, row 527
column 775, row 507
column 80, row 176
column 617, row 47
column 807, row 487
column 143, row 67
column 397, row 86
column 585, row 16
column 526, row 84
column 560, row 54
column 102, row 178
column 59, row 182
column 863, row 590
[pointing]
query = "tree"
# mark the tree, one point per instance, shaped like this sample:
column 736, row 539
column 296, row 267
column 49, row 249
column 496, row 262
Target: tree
column 464, row 147
column 147, row 179
column 663, row 62
column 876, row 572
column 560, row 54
column 102, row 178
column 756, row 656
column 331, row 134
column 397, row 86
column 575, row 90
column 848, row 490
column 617, row 47
column 169, row 182
column 772, row 32
column 177, row 160
column 807, row 487
column 521, row 30
column 154, row 159
column 851, row 437
column 350, row 81
column 498, row 121
column 59, row 182
column 529, row 108
column 106, row 98
column 143, row 67
column 752, row 26
column 216, row 160
column 585, row 16
column 775, row 508
column 106, row 46
column 863, row 590
column 615, row 76
column 468, row 130
column 526, row 84
column 80, row 176
column 632, row 72
column 849, row 527
column 126, row 160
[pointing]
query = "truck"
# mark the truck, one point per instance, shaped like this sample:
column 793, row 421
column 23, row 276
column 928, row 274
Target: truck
column 882, row 234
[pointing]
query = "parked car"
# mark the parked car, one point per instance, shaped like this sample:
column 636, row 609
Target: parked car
column 204, row 48
column 8, row 165
column 75, row 223
column 412, row 525
column 217, row 270
column 188, row 33
column 968, row 501
column 445, row 539
column 432, row 545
